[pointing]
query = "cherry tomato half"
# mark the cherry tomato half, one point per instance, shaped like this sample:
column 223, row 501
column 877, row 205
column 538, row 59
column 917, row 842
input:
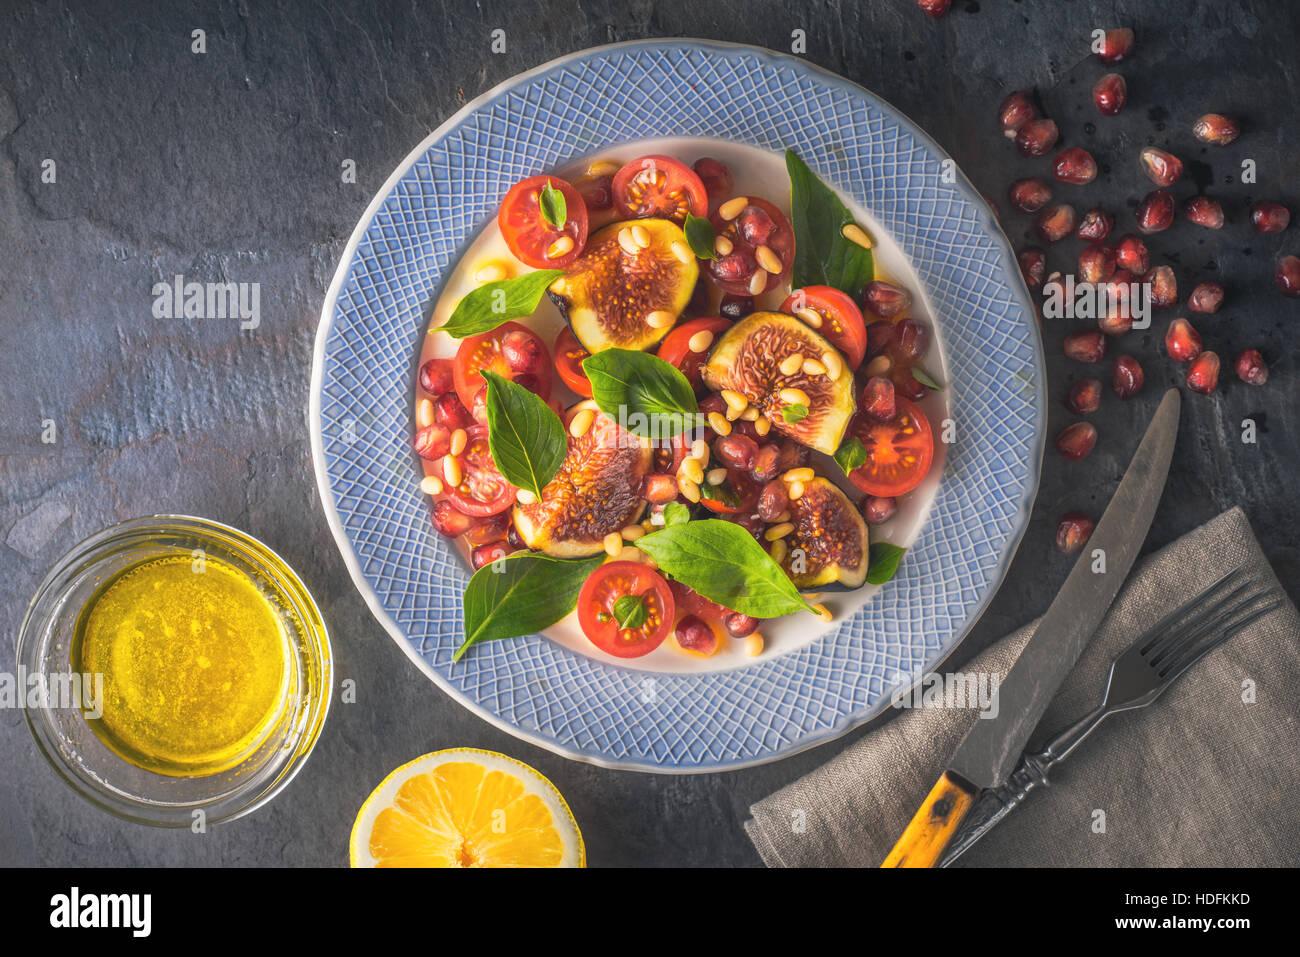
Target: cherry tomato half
column 568, row 362
column 758, row 224
column 509, row 350
column 841, row 319
column 899, row 452
column 602, row 590
column 526, row 230
column 483, row 491
column 659, row 187
column 676, row 349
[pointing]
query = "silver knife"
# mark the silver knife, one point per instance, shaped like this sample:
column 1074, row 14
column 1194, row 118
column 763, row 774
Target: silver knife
column 992, row 747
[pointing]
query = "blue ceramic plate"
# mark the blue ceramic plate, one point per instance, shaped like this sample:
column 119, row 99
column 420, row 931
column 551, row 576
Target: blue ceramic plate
column 373, row 325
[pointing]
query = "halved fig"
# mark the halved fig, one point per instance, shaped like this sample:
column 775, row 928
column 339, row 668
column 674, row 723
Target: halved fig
column 629, row 286
column 596, row 491
column 748, row 359
column 829, row 541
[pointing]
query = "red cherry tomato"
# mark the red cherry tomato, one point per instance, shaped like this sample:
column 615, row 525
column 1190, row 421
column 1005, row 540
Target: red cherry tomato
column 526, row 230
column 738, row 494
column 676, row 349
column 494, row 350
column 841, row 319
column 660, row 187
column 604, row 587
column 899, row 452
column 568, row 362
column 758, row 224
column 483, row 491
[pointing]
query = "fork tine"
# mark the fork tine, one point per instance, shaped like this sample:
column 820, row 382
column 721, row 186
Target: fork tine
column 1191, row 655
column 1206, row 606
column 1157, row 631
column 1210, row 618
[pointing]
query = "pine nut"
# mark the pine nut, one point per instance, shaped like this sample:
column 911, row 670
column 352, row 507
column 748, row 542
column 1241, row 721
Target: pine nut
column 459, row 439
column 560, row 287
column 793, row 396
column 660, row 319
column 525, row 497
column 700, row 450
column 880, row 365
column 558, row 248
column 778, row 551
column 692, row 469
column 734, row 399
column 716, row 476
column 631, row 553
column 813, row 367
column 431, row 485
column 823, row 612
column 641, row 236
column 580, row 425
column 451, row 471
column 757, row 282
column 778, row 531
column 722, row 246
column 733, row 207
column 490, row 272
column 834, row 365
column 791, row 364
column 754, row 645
column 856, row 234
column 688, row 488
column 783, row 517
column 613, row 544
column 632, row 532
column 424, row 412
column 795, row 491
column 750, row 414
column 769, row 260
column 732, row 413
column 682, row 251
column 627, row 242
column 701, row 341
column 603, row 168
column 762, row 425
column 802, row 474
column 719, row 424
column 810, row 316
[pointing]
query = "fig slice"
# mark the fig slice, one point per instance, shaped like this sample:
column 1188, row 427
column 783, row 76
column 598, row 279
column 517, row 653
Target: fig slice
column 748, row 359
column 829, row 541
column 620, row 294
column 597, row 490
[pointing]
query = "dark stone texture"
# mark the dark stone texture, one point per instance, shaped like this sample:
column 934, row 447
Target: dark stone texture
column 226, row 165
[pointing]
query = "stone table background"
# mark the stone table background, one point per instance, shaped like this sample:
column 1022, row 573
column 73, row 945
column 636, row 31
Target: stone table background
column 226, row 165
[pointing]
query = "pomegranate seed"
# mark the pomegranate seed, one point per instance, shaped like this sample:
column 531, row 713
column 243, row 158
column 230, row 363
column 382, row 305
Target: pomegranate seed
column 716, row 178
column 1287, row 276
column 449, row 411
column 1036, row 137
column 1076, row 441
column 486, row 554
column 1117, row 45
column 1085, row 346
column 1075, row 165
column 658, row 488
column 1095, row 225
column 1056, row 222
column 436, row 377
column 1251, row 368
column 885, row 300
column 737, row 266
column 1096, row 263
column 793, row 455
column 1182, row 341
column 692, row 633
column 773, row 500
column 1269, row 217
column 432, row 441
column 522, row 351
column 735, row 307
column 1074, row 530
column 1117, row 322
column 910, row 341
column 1163, row 169
column 494, row 528
column 738, row 625
column 1015, row 111
column 1110, row 93
column 449, row 520
column 907, row 384
column 878, row 399
column 1156, row 213
column 1216, row 129
column 751, row 523
column 1207, row 297
column 1203, row 373
column 513, row 537
column 1131, row 253
column 877, row 509
column 1033, row 266
column 768, row 462
column 879, row 335
column 935, row 8
column 1206, row 212
column 1084, row 397
column 597, row 192
column 736, row 451
column 1164, row 287
column 1029, row 195
column 1126, row 376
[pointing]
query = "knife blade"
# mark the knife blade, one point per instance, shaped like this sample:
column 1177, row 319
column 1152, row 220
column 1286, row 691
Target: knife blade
column 992, row 747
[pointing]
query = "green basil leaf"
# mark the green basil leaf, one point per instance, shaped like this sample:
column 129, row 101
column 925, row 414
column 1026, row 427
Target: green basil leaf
column 723, row 493
column 675, row 513
column 527, row 438
column 699, row 233
column 555, row 210
column 722, row 562
column 496, row 302
column 629, row 611
column 927, row 380
column 851, row 454
column 822, row 256
column 882, row 562
column 520, row 594
column 794, row 412
column 642, row 393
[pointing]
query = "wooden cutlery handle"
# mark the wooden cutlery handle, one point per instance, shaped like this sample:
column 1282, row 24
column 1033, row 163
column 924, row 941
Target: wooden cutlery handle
column 933, row 825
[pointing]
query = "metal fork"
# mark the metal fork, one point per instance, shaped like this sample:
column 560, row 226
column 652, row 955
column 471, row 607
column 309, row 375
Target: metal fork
column 1137, row 677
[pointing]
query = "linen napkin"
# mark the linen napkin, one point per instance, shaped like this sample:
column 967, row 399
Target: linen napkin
column 1205, row 776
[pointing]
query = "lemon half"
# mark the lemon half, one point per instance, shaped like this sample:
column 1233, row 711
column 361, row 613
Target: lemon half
column 465, row 807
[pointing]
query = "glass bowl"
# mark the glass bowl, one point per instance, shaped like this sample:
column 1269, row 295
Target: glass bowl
column 75, row 751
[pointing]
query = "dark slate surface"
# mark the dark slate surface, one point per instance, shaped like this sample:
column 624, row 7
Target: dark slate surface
column 226, row 165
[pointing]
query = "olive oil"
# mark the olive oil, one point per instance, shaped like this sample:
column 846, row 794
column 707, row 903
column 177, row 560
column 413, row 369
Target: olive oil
column 196, row 664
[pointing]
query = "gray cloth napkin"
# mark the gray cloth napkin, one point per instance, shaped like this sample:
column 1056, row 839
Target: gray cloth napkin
column 1200, row 777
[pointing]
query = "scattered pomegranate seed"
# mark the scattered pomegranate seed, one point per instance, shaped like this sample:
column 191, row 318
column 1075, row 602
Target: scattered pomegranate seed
column 1182, row 341
column 739, row 625
column 1117, row 45
column 1033, row 266
column 935, row 8
column 907, row 384
column 910, row 341
column 1110, row 93
column 1206, row 212
column 1164, row 287
column 1074, row 530
column 878, row 510
column 1076, row 441
column 1156, row 213
column 1015, row 111
column 1029, row 195
column 879, row 335
column 1084, row 396
column 1251, row 368
column 1287, row 276
column 1116, row 321
column 1163, row 169
column 1056, row 222
column 1131, row 253
column 486, row 554
column 1096, row 263
column 449, row 520
column 436, row 377
column 1203, row 373
column 1126, row 376
column 1085, row 346
column 878, row 399
column 884, row 299
column 1075, row 165
column 1216, row 129
column 1207, row 297
column 1269, row 217
column 1095, row 225
column 773, row 500
column 1036, row 137
column 432, row 441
